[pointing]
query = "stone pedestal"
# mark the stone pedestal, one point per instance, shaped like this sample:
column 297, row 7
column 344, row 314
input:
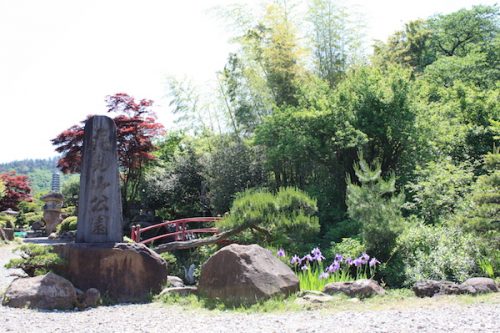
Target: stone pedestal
column 122, row 272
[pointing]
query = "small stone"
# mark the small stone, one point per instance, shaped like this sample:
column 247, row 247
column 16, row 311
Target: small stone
column 180, row 291
column 359, row 288
column 174, row 281
column 92, row 298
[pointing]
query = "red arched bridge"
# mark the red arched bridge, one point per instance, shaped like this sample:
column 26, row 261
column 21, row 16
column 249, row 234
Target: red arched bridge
column 176, row 230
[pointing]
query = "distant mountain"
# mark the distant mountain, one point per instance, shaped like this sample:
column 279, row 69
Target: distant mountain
column 39, row 172
column 26, row 166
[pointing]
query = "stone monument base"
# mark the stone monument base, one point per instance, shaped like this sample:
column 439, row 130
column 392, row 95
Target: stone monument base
column 122, row 272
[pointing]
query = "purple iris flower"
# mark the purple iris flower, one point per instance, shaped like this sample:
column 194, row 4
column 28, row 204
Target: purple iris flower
column 317, row 255
column 333, row 267
column 348, row 261
column 304, row 268
column 324, row 275
column 357, row 262
column 281, row 253
column 364, row 258
column 339, row 257
column 374, row 262
column 308, row 258
column 295, row 260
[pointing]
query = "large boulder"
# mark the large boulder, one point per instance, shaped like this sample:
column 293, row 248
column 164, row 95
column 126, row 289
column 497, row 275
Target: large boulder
column 360, row 288
column 122, row 272
column 47, row 292
column 245, row 274
column 481, row 284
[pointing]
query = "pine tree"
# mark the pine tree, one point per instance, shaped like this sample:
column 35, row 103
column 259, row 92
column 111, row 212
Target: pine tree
column 377, row 207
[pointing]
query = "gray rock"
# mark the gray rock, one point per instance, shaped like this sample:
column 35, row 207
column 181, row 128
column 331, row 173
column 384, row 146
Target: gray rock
column 174, row 281
column 180, row 291
column 47, row 292
column 429, row 288
column 80, row 295
column 99, row 205
column 359, row 288
column 313, row 297
column 473, row 286
column 245, row 274
column 92, row 298
column 481, row 284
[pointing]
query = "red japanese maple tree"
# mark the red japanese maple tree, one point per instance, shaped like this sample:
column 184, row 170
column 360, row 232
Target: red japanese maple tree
column 17, row 189
column 136, row 129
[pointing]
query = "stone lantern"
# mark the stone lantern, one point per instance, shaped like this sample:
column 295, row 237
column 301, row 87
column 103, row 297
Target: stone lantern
column 52, row 211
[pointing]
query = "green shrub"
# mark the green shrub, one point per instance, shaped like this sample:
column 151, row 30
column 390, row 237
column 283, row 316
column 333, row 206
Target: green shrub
column 70, row 210
column 68, row 224
column 438, row 253
column 7, row 221
column 173, row 267
column 30, row 206
column 344, row 229
column 32, row 217
column 348, row 248
column 285, row 219
column 35, row 259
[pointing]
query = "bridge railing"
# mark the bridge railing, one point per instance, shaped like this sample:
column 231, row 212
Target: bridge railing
column 181, row 232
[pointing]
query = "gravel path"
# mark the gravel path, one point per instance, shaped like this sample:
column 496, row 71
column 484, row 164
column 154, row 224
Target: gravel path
column 6, row 276
column 155, row 317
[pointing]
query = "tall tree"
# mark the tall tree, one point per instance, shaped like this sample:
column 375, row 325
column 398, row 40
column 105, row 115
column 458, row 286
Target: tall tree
column 336, row 42
column 136, row 130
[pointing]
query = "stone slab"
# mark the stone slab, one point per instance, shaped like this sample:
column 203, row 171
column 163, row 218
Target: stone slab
column 100, row 207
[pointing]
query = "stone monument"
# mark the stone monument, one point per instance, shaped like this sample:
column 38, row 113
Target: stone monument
column 100, row 207
column 125, row 272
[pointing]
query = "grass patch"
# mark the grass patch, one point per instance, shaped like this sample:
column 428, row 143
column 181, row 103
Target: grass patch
column 394, row 299
column 276, row 304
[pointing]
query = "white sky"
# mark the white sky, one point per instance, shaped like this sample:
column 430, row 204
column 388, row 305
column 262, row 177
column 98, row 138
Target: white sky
column 60, row 58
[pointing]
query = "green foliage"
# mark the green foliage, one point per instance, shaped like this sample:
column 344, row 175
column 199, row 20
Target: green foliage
column 30, row 218
column 68, row 224
column 344, row 229
column 181, row 259
column 173, row 266
column 285, row 219
column 439, row 190
column 376, row 206
column 177, row 188
column 309, row 278
column 484, row 217
column 381, row 108
column 7, row 221
column 438, row 253
column 35, row 259
column 70, row 191
column 34, row 206
column 348, row 248
column 233, row 166
column 335, row 40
